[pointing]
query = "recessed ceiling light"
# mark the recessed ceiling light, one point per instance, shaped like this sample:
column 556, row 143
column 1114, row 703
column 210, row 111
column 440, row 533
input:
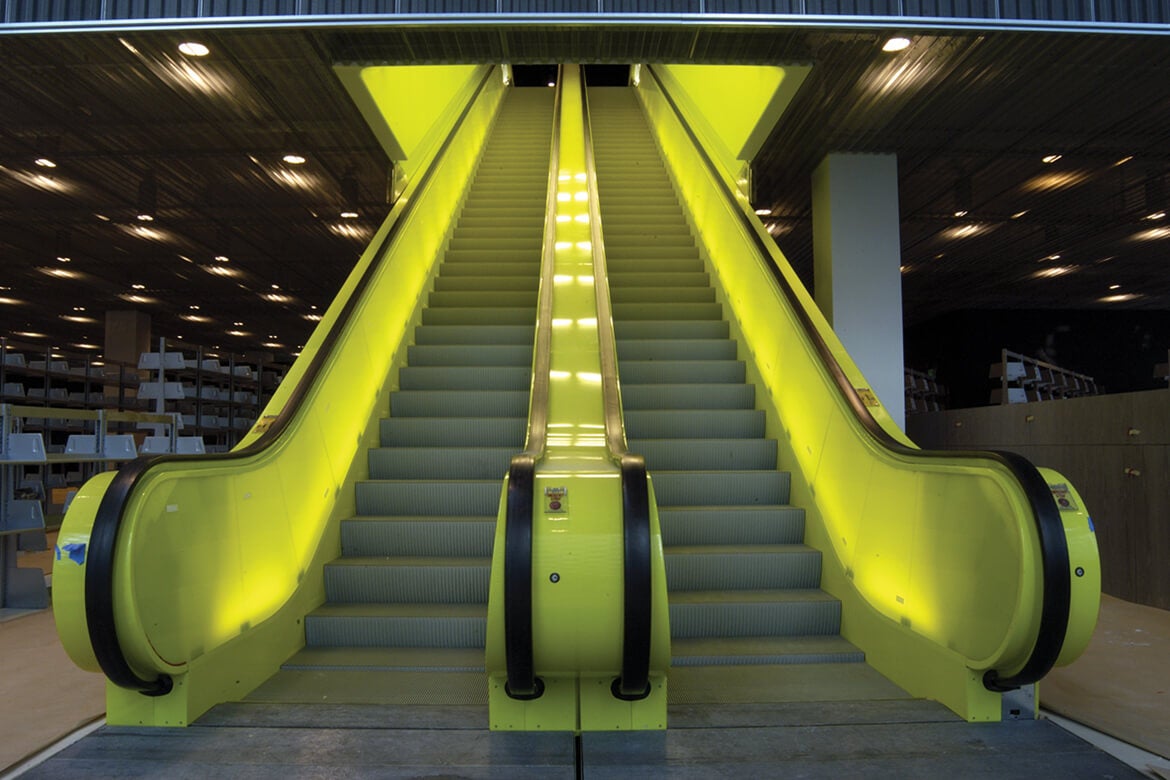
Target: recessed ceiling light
column 28, row 334
column 314, row 307
column 552, row 83
column 277, row 298
column 1152, row 234
column 237, row 333
column 238, row 324
column 222, row 259
column 60, row 273
column 961, row 213
column 1050, row 158
column 78, row 308
column 195, row 318
column 349, row 215
column 138, row 287
column 102, row 217
column 14, row 302
column 137, row 298
column 1052, row 257
column 294, row 159
column 77, row 318
column 1115, row 287
column 1156, row 215
column 1053, row 271
column 221, row 270
column 194, row 49
column 45, row 162
column 63, row 259
column 194, row 307
column 966, row 231
column 897, row 43
column 764, row 212
column 276, row 287
column 309, row 317
column 1019, row 214
column 145, row 218
column 1119, row 298
column 1124, row 160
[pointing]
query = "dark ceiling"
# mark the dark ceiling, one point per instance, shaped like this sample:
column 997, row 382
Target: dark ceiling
column 970, row 117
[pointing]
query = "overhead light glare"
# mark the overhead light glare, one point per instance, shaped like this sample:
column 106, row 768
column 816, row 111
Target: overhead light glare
column 17, row 302
column 294, row 159
column 897, row 43
column 76, row 318
column 1152, row 234
column 1123, row 160
column 1048, row 159
column 138, row 287
column 277, row 298
column 60, row 273
column 138, row 298
column 45, row 162
column 1119, row 298
column 221, row 270
column 145, row 218
column 63, row 259
column 1054, row 271
column 102, row 217
column 961, row 213
column 349, row 215
column 1019, row 214
column 194, row 49
column 238, row 333
column 1115, row 287
column 966, row 231
column 195, row 318
column 29, row 334
column 552, row 83
column 764, row 212
column 309, row 317
column 1156, row 215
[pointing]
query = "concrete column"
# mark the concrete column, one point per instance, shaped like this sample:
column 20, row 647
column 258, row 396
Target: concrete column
column 857, row 257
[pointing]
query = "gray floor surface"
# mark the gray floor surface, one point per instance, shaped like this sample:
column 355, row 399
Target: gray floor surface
column 875, row 739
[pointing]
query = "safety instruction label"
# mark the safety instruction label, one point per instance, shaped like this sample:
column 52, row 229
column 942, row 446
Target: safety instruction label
column 556, row 500
column 1063, row 497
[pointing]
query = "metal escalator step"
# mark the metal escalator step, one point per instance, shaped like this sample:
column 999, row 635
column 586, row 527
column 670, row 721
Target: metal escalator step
column 397, row 625
column 670, row 329
column 401, row 580
column 482, row 298
column 691, row 372
column 465, row 377
column 694, row 423
column 764, row 650
column 760, row 613
column 664, row 311
column 697, row 396
column 717, row 488
column 453, row 431
column 673, row 349
column 624, row 265
column 513, row 267
column 481, row 283
column 745, row 567
column 438, row 535
column 440, row 462
column 459, row 403
column 702, row 454
column 430, row 497
column 708, row 525
column 661, row 294
column 469, row 355
column 477, row 315
column 371, row 659
column 621, row 281
column 475, row 334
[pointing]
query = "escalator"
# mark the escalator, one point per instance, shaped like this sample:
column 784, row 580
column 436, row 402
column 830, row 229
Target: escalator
column 409, row 592
column 744, row 589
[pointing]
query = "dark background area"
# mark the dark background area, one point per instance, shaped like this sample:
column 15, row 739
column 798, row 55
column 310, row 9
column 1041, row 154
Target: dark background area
column 1118, row 349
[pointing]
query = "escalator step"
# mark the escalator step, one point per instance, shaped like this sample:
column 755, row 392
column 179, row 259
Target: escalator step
column 706, row 454
column 458, row 535
column 432, row 497
column 670, row 329
column 399, row 580
column 697, row 396
column 397, row 625
column 482, row 298
column 621, row 281
column 465, row 377
column 377, row 659
column 469, row 355
column 750, row 567
column 691, row 372
column 479, row 315
column 757, row 613
column 479, row 284
column 459, row 403
column 662, row 294
column 475, row 334
column 674, row 349
column 654, row 265
column 440, row 462
column 714, row 488
column 694, row 423
column 513, row 267
column 764, row 650
column 453, row 431
column 703, row 525
column 665, row 311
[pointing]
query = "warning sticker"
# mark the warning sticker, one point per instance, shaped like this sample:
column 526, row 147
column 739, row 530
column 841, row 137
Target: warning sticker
column 867, row 397
column 1063, row 497
column 556, row 500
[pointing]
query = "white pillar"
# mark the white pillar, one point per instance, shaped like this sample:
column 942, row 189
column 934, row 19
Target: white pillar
column 857, row 257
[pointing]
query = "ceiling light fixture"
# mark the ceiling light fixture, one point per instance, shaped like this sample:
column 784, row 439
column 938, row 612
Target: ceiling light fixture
column 28, row 334
column 552, row 83
column 222, row 259
column 1119, row 298
column 194, row 49
column 63, row 259
column 1115, row 287
column 897, row 43
column 45, row 162
column 294, row 159
column 1123, row 160
column 764, row 212
column 17, row 302
column 349, row 215
column 1050, row 158
column 138, row 286
column 237, row 333
column 960, row 213
column 1019, row 214
column 1054, row 271
column 1156, row 215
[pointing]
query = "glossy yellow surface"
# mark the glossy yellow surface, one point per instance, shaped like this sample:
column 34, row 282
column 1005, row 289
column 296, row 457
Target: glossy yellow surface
column 936, row 561
column 577, row 619
column 217, row 564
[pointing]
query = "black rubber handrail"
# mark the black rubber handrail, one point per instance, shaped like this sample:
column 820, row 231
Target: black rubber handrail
column 1057, row 587
column 103, row 539
column 634, row 681
column 522, row 682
